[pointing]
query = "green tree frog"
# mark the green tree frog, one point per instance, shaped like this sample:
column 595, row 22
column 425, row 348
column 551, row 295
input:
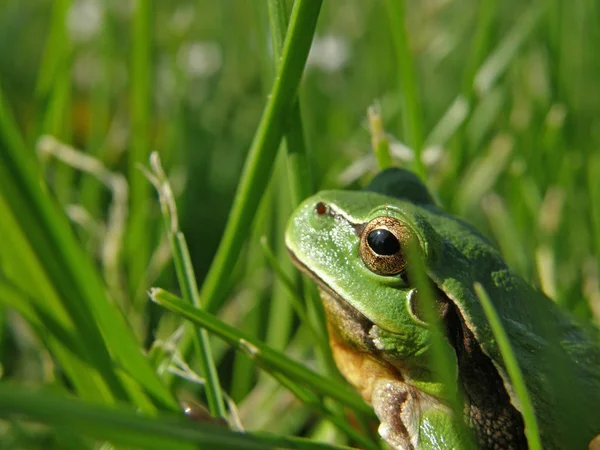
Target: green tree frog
column 352, row 244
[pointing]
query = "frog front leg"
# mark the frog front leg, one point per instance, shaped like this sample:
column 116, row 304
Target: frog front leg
column 410, row 420
column 395, row 405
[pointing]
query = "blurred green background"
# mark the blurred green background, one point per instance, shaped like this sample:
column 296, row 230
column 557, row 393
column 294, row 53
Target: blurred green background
column 507, row 97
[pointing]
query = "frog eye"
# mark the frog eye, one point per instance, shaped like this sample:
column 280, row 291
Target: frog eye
column 381, row 244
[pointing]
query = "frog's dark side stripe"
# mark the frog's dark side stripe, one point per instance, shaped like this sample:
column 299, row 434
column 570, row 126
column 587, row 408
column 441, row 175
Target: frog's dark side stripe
column 497, row 423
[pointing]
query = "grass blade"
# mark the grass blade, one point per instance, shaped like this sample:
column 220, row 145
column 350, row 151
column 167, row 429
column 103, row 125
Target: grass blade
column 187, row 284
column 262, row 153
column 512, row 367
column 140, row 92
column 262, row 354
column 127, row 427
column 60, row 257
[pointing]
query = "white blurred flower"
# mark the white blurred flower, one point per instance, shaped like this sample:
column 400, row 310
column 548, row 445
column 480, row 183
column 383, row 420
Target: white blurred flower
column 432, row 155
column 199, row 59
column 84, row 20
column 328, row 53
column 400, row 150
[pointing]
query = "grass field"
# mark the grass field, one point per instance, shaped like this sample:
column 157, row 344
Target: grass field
column 495, row 104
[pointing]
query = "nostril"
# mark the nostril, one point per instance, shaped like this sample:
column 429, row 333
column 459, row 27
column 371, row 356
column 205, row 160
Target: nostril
column 321, row 208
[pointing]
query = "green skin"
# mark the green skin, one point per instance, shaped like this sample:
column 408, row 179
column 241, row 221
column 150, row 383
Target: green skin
column 384, row 349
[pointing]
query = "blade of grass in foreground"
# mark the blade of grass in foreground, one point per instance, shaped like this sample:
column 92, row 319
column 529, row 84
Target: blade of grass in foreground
column 260, row 158
column 187, row 284
column 137, row 248
column 259, row 352
column 512, row 367
column 128, row 428
column 442, row 357
column 297, row 164
column 58, row 255
column 297, row 177
column 301, row 187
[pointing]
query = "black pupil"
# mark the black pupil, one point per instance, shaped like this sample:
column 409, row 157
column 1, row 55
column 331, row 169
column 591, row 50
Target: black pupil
column 383, row 242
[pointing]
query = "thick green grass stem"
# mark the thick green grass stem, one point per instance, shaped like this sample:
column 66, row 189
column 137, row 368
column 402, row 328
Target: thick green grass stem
column 138, row 242
column 442, row 357
column 299, row 177
column 262, row 153
column 297, row 160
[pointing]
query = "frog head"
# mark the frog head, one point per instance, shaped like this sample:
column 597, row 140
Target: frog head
column 353, row 245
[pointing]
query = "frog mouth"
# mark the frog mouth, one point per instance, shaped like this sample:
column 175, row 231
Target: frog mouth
column 363, row 326
column 325, row 287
